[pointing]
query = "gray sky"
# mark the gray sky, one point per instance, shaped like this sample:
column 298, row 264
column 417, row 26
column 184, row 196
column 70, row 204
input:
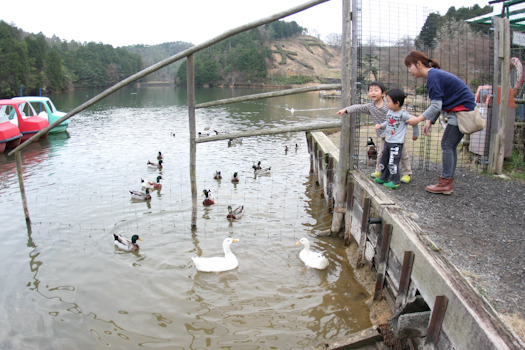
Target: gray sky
column 120, row 23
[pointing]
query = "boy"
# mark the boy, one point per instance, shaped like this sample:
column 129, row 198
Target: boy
column 378, row 110
column 396, row 128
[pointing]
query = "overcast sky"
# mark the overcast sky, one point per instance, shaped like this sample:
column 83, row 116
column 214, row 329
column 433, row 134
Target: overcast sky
column 120, row 23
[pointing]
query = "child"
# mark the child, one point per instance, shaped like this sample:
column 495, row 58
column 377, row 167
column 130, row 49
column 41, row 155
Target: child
column 396, row 128
column 378, row 109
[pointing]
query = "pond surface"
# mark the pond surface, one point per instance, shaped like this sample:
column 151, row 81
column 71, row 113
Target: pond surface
column 65, row 285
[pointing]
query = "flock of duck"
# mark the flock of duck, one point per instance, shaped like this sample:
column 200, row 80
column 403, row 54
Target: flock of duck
column 229, row 261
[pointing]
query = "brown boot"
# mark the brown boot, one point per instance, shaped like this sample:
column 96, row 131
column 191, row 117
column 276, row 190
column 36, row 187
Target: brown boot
column 443, row 186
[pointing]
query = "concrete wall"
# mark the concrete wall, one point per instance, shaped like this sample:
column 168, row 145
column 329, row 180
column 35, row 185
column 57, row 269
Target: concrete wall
column 469, row 321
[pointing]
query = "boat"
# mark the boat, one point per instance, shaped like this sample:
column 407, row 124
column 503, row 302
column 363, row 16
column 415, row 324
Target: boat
column 47, row 110
column 10, row 135
column 22, row 114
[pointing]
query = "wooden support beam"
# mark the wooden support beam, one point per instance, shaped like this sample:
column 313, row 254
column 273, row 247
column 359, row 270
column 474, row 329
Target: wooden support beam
column 18, row 159
column 404, row 280
column 349, row 208
column 436, row 322
column 364, row 229
column 383, row 261
column 190, row 78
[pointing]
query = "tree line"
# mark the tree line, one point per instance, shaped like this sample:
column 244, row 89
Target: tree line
column 241, row 58
column 35, row 62
column 38, row 63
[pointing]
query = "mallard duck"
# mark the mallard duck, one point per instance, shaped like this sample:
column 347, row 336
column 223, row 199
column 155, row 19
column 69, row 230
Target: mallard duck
column 203, row 134
column 286, row 149
column 125, row 243
column 155, row 165
column 159, row 156
column 312, row 259
column 219, row 263
column 235, row 214
column 139, row 195
column 235, row 178
column 209, row 200
column 217, row 175
column 258, row 170
column 152, row 185
column 372, row 151
column 233, row 142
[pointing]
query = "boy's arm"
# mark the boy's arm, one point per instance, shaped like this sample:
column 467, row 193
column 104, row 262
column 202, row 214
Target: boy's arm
column 364, row 108
column 406, row 116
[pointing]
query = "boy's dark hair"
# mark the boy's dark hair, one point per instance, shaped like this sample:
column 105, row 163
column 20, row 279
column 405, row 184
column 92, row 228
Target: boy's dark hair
column 397, row 95
column 378, row 84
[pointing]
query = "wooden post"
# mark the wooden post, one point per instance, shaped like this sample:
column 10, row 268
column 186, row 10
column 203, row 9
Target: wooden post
column 436, row 322
column 404, row 280
column 193, row 145
column 18, row 158
column 344, row 144
column 364, row 229
column 383, row 261
column 349, row 208
column 497, row 141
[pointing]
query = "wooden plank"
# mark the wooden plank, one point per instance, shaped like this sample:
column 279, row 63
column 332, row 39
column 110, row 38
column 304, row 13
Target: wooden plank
column 268, row 95
column 364, row 230
column 404, row 283
column 271, row 131
column 436, row 322
column 383, row 261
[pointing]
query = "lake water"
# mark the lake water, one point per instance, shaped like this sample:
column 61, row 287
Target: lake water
column 65, row 286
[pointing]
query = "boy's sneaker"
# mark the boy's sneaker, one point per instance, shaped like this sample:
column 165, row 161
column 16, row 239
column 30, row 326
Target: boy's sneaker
column 391, row 185
column 379, row 181
column 375, row 174
column 405, row 179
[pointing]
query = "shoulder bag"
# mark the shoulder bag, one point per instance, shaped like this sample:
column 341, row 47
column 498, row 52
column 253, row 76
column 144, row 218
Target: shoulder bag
column 470, row 121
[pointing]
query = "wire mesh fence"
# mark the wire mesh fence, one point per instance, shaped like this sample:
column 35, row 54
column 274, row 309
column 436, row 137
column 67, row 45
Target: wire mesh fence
column 464, row 49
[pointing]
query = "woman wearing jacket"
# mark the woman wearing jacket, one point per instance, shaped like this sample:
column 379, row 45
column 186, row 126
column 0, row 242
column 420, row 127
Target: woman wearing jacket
column 448, row 94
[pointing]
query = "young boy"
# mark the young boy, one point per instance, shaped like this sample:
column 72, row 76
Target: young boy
column 396, row 128
column 378, row 110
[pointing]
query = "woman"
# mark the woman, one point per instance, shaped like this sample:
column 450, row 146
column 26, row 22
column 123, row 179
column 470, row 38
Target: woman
column 448, row 94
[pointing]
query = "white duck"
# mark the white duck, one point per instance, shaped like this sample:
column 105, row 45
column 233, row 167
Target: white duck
column 125, row 243
column 312, row 259
column 218, row 263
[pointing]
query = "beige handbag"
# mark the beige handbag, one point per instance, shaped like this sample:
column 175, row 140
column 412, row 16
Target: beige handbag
column 470, row 121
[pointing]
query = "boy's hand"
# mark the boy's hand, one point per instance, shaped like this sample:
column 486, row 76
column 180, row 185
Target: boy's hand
column 341, row 112
column 414, row 138
column 378, row 126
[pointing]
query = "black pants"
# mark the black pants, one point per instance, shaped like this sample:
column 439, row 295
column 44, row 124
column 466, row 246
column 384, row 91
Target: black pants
column 389, row 163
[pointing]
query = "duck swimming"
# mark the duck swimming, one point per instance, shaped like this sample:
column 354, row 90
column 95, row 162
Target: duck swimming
column 310, row 258
column 155, row 165
column 219, row 263
column 209, row 200
column 126, row 244
column 152, row 185
column 235, row 178
column 217, row 175
column 235, row 214
column 139, row 195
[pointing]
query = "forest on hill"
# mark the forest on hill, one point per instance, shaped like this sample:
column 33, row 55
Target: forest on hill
column 278, row 53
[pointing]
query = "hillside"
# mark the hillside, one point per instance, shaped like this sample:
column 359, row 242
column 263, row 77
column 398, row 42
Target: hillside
column 305, row 56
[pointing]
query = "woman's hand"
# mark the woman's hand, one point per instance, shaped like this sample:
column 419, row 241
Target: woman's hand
column 426, row 128
column 341, row 112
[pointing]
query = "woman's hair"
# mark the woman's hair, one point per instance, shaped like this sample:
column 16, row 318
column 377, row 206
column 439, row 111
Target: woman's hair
column 397, row 95
column 414, row 56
